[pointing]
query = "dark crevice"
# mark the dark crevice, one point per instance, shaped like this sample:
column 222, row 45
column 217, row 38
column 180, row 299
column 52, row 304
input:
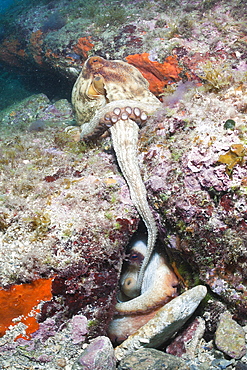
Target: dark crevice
column 17, row 84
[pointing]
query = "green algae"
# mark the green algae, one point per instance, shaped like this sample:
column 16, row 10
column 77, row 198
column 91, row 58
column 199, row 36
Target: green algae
column 217, row 76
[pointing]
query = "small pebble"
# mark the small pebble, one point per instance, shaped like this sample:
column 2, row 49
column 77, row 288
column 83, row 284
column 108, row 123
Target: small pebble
column 61, row 362
column 99, row 355
column 221, row 363
column 230, row 337
column 241, row 366
column 152, row 359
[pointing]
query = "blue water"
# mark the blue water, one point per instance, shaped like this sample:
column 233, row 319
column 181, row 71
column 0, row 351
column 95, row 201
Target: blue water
column 5, row 4
column 12, row 87
column 15, row 84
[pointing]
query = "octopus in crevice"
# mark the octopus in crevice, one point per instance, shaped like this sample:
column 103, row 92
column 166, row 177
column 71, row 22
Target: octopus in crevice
column 113, row 95
column 159, row 286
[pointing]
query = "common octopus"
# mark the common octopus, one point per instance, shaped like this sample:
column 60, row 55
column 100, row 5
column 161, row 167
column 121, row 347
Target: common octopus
column 112, row 95
column 159, row 286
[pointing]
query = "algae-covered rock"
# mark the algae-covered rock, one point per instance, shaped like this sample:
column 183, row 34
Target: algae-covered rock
column 37, row 107
column 66, row 217
column 196, row 170
column 99, row 355
column 166, row 41
column 230, row 337
column 152, row 359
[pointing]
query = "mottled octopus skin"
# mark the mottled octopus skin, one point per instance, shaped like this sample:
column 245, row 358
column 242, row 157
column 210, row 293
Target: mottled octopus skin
column 102, row 86
column 159, row 287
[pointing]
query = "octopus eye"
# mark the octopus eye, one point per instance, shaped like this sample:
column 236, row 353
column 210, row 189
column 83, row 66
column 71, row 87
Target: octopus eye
column 129, row 287
column 134, row 257
column 128, row 282
column 98, row 84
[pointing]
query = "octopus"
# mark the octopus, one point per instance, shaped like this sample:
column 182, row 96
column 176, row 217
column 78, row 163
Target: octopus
column 158, row 288
column 112, row 95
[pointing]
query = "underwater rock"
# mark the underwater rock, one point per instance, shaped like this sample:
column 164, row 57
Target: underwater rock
column 149, row 358
column 66, row 216
column 166, row 49
column 79, row 328
column 36, row 112
column 99, row 355
column 230, row 337
column 26, row 111
column 241, row 366
column 185, row 343
column 201, row 196
column 170, row 318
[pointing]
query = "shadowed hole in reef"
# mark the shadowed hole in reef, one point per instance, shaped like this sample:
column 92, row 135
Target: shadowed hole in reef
column 16, row 85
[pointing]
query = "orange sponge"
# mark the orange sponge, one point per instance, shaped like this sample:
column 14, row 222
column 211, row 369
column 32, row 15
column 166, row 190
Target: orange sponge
column 20, row 301
column 157, row 74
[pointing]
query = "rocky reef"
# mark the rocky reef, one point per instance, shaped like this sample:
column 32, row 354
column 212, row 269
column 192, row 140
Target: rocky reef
column 66, row 214
column 197, row 174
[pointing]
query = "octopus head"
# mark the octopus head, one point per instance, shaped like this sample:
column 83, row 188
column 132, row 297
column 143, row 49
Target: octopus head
column 129, row 277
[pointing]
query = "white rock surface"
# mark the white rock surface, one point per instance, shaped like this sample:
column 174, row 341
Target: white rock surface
column 164, row 324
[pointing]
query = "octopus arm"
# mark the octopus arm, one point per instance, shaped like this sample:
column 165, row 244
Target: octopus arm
column 160, row 292
column 121, row 327
column 98, row 124
column 124, row 138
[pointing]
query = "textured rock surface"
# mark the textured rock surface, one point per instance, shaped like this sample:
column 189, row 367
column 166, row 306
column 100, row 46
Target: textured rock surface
column 99, row 355
column 199, row 185
column 230, row 337
column 168, row 41
column 152, row 359
column 241, row 366
column 37, row 108
column 185, row 344
column 65, row 215
column 170, row 318
column 194, row 164
column 192, row 158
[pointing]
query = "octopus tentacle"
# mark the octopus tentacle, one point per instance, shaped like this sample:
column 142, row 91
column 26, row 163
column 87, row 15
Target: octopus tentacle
column 102, row 118
column 114, row 96
column 159, row 284
column 125, row 137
